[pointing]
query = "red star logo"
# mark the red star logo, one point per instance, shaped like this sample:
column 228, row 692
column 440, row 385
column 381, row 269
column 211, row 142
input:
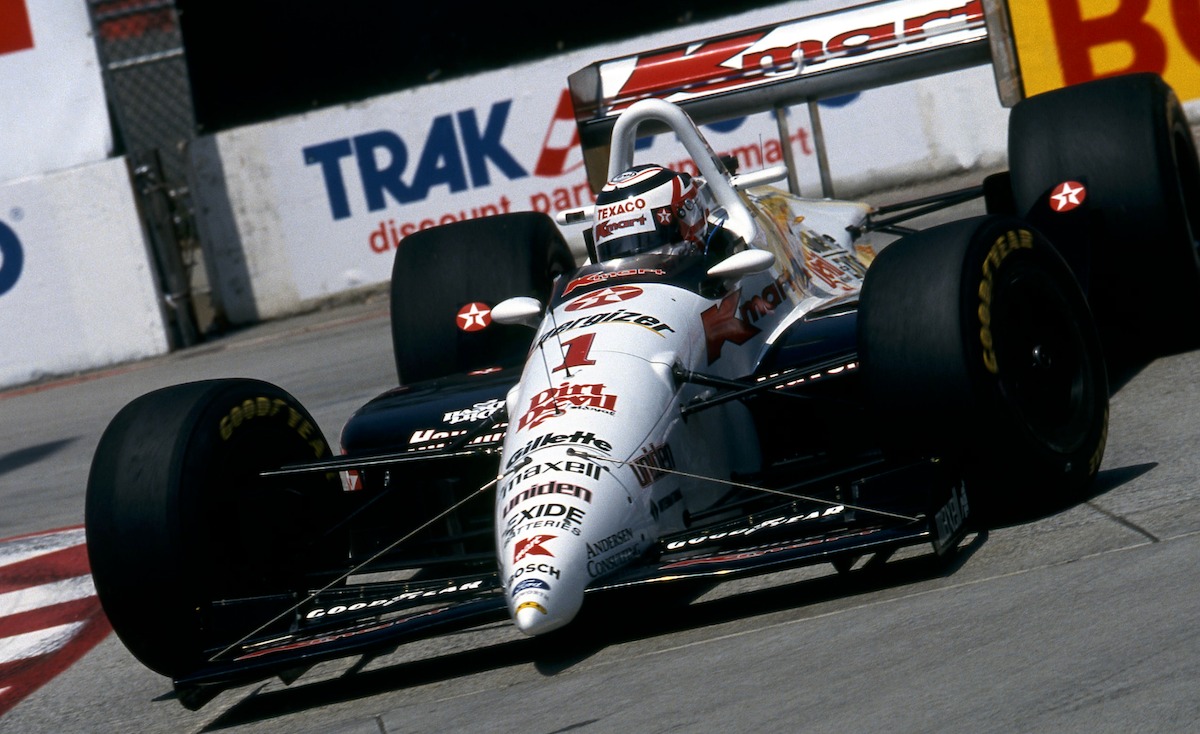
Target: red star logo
column 663, row 214
column 1067, row 195
column 605, row 296
column 474, row 316
column 532, row 547
column 721, row 325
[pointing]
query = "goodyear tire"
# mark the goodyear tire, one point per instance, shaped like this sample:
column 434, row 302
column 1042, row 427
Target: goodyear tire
column 977, row 345
column 1128, row 138
column 178, row 518
column 440, row 272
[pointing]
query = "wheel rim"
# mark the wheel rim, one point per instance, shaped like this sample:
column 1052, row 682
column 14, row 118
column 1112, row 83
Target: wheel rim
column 1045, row 372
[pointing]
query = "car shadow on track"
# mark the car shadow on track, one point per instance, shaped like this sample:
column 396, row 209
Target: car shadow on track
column 604, row 622
column 1106, row 481
column 21, row 458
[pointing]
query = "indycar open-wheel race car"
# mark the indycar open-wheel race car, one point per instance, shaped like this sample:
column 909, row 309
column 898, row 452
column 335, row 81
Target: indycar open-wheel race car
column 774, row 397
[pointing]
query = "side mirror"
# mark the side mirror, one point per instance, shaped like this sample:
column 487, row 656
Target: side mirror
column 520, row 310
column 737, row 265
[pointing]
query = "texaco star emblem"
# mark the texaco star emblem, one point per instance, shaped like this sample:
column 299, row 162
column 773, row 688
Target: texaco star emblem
column 474, row 316
column 605, row 296
column 1067, row 195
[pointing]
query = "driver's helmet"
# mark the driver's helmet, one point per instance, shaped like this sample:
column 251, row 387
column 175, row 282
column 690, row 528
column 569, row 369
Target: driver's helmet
column 649, row 209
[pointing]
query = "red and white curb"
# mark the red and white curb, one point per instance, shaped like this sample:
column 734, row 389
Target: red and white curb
column 49, row 614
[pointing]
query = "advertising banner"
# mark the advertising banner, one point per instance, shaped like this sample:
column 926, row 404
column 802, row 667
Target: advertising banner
column 302, row 208
column 52, row 107
column 77, row 288
column 1063, row 42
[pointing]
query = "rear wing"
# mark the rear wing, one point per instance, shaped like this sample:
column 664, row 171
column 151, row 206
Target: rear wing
column 792, row 62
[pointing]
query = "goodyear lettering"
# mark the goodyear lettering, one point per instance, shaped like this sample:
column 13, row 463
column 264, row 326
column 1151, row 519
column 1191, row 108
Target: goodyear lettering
column 552, row 439
column 381, row 603
column 264, row 407
column 833, row 511
column 612, row 542
column 1005, row 244
column 382, row 157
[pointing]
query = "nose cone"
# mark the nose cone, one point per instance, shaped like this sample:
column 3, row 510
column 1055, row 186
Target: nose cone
column 534, row 618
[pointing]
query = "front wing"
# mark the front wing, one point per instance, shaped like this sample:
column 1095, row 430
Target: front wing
column 920, row 503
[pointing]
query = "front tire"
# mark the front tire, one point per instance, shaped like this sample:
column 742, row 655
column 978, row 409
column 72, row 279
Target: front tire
column 178, row 518
column 977, row 345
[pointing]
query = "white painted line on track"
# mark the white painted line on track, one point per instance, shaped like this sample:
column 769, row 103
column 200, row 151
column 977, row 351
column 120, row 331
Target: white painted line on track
column 39, row 545
column 36, row 597
column 41, row 642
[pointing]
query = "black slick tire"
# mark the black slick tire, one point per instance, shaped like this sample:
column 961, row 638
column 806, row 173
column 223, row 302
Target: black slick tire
column 1128, row 138
column 977, row 346
column 440, row 271
column 177, row 517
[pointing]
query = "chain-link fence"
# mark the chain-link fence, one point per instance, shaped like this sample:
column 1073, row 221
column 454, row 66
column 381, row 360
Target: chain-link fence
column 150, row 103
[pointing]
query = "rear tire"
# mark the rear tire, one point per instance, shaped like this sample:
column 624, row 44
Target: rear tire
column 1128, row 137
column 439, row 272
column 977, row 346
column 178, row 518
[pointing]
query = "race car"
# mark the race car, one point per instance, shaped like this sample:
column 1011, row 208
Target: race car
column 730, row 385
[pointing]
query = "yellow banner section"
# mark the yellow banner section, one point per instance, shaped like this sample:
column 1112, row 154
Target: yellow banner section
column 1063, row 42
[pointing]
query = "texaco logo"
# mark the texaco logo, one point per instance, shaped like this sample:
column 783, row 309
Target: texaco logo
column 1067, row 195
column 605, row 296
column 474, row 316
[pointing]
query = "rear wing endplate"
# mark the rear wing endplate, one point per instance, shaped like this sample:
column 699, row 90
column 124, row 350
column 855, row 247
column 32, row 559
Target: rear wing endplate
column 792, row 62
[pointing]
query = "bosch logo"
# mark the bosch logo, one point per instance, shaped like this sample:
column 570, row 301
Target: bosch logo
column 12, row 258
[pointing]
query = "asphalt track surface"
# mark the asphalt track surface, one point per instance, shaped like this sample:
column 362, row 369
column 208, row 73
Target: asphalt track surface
column 1082, row 619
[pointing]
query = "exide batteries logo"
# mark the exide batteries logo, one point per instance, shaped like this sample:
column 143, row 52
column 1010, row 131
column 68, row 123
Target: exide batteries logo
column 11, row 258
column 452, row 152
